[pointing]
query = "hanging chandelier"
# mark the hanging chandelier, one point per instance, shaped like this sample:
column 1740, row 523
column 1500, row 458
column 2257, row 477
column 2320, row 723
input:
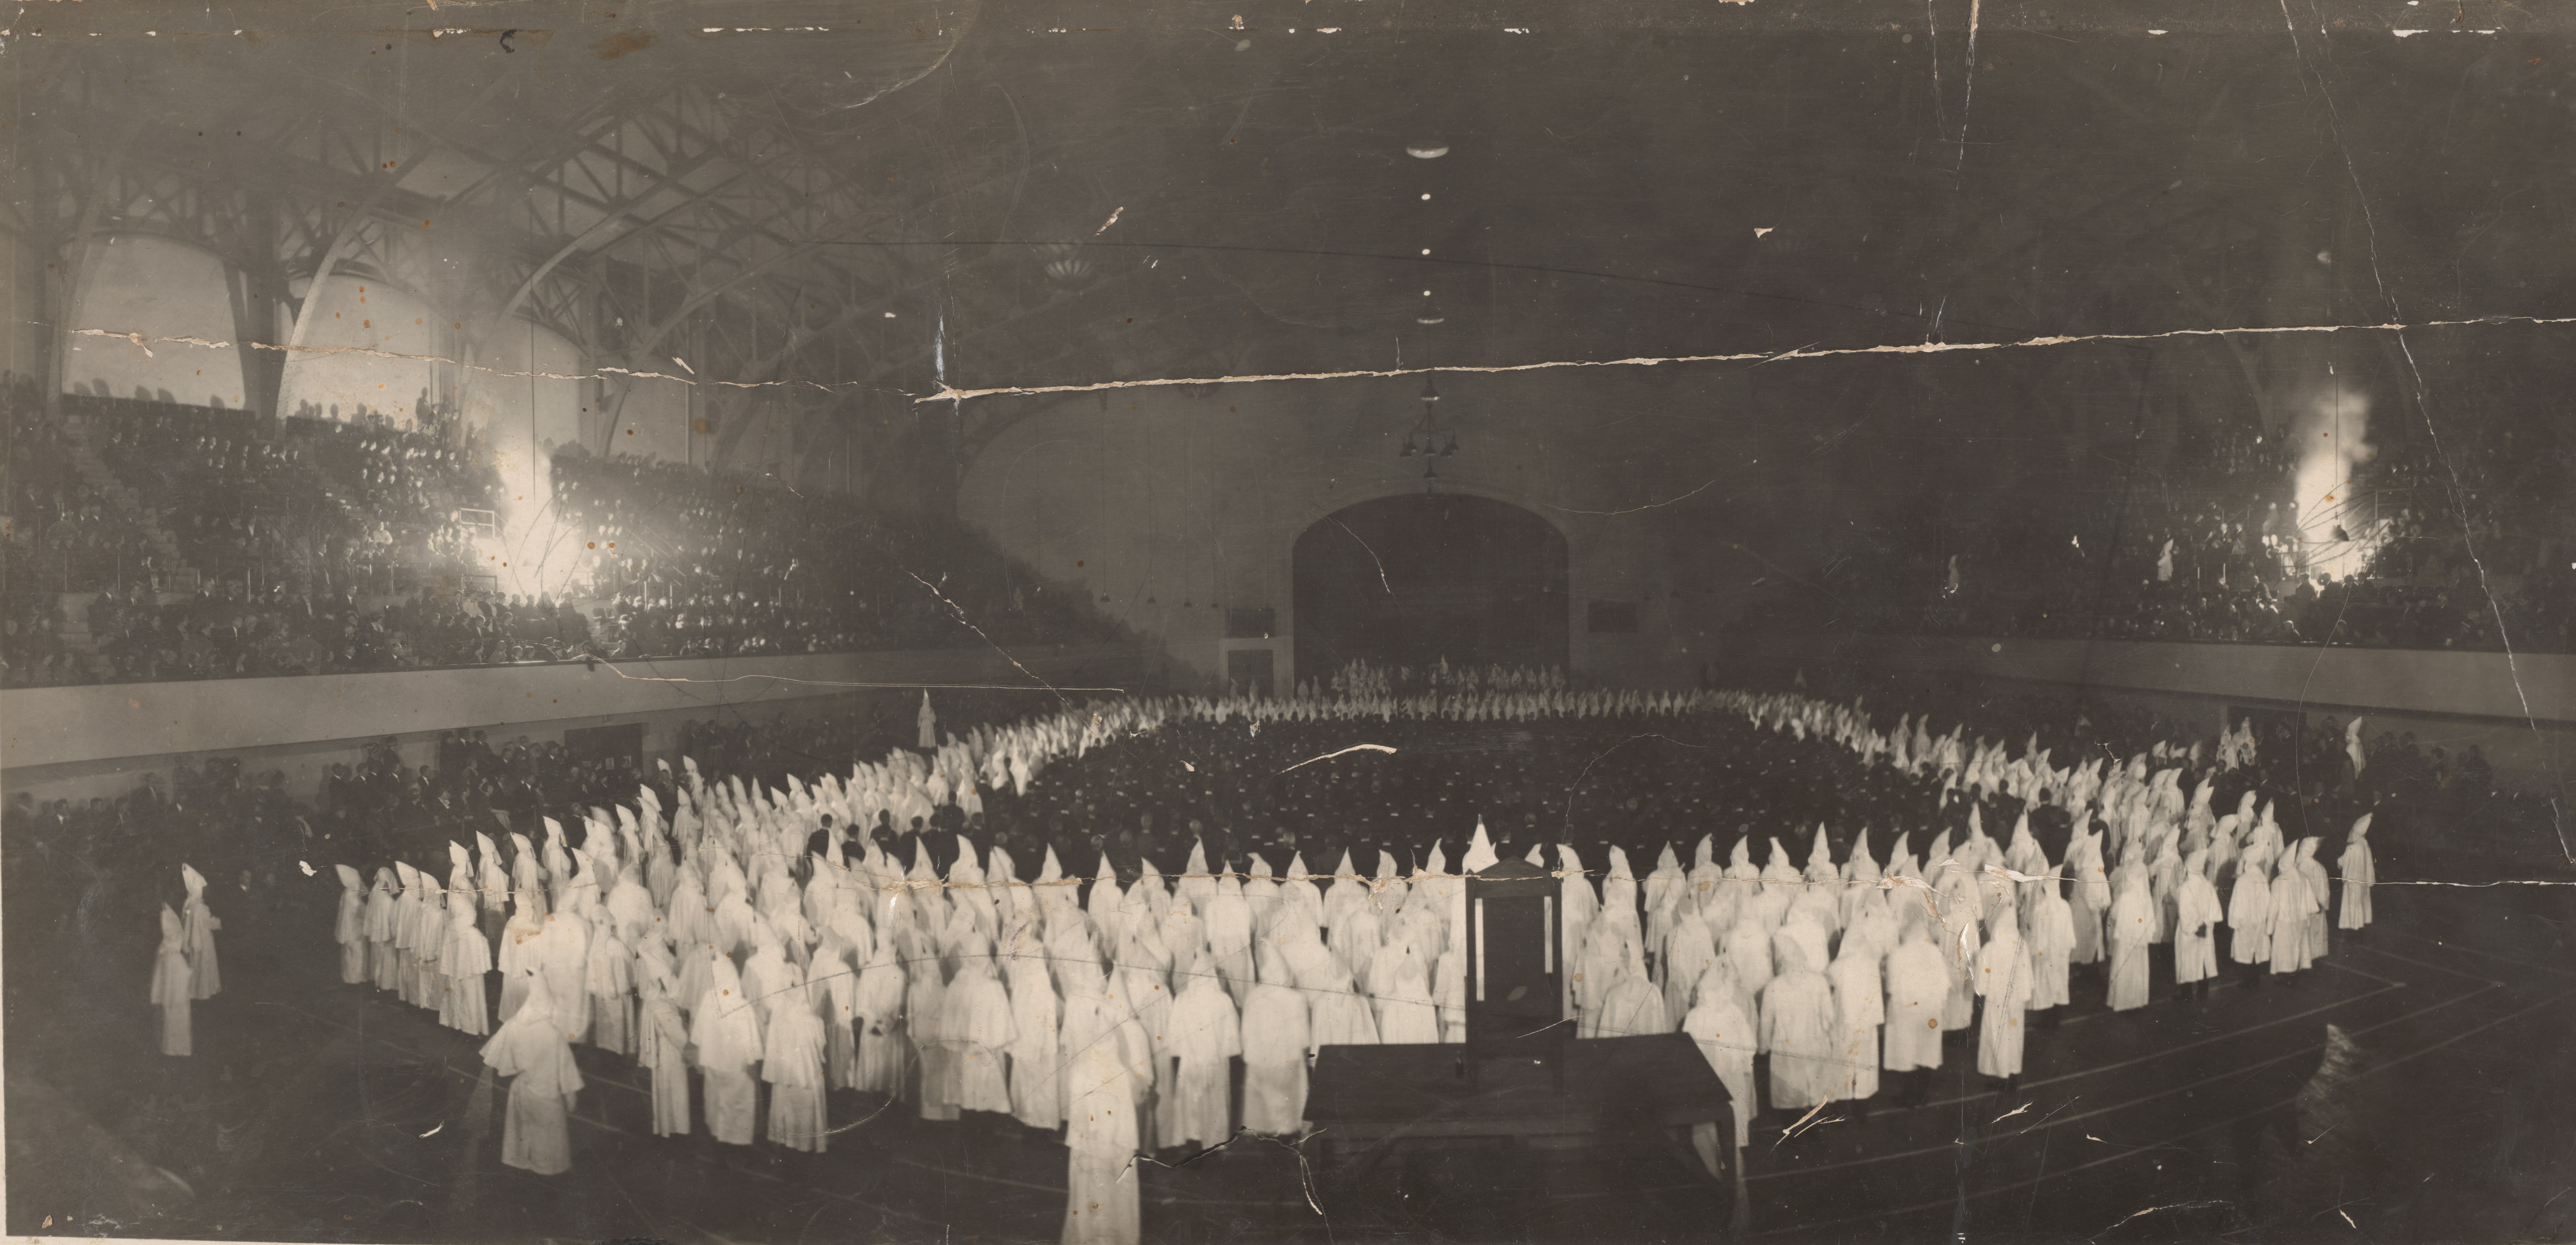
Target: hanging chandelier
column 1428, row 440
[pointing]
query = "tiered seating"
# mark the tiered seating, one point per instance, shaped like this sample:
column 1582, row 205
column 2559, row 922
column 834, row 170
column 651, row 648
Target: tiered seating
column 699, row 563
column 2216, row 552
column 328, row 545
column 64, row 534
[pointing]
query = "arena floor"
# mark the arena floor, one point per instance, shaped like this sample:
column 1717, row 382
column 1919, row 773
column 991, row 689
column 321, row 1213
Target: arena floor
column 315, row 1111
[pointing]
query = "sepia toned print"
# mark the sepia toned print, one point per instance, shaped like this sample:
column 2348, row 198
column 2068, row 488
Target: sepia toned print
column 1035, row 620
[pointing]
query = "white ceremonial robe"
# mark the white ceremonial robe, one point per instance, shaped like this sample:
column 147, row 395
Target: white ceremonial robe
column 2360, row 873
column 1725, row 1039
column 2292, row 906
column 1206, row 1035
column 664, row 1038
column 2003, row 979
column 925, row 1015
column 2196, row 920
column 1798, row 1023
column 1037, row 1097
column 350, row 931
column 2052, row 951
column 727, row 1034
column 2132, row 927
column 885, row 1050
column 535, row 1133
column 200, row 922
column 1918, row 989
column 792, row 1063
column 1107, row 1079
column 1859, row 1009
column 2312, row 948
column 170, row 980
column 1274, row 1032
column 2249, row 918
column 979, row 1028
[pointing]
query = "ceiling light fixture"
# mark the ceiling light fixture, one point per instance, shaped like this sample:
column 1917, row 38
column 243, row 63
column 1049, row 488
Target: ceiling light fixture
column 1428, row 439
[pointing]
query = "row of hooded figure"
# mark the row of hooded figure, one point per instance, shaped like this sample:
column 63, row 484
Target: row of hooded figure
column 940, row 992
column 952, row 993
column 1840, row 972
column 962, row 995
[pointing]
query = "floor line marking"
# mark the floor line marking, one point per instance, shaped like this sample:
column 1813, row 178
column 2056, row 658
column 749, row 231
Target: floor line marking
column 2408, row 959
column 587, row 1078
column 449, row 1067
column 2063, row 1120
column 2221, row 1037
column 2139, row 1151
column 2461, row 946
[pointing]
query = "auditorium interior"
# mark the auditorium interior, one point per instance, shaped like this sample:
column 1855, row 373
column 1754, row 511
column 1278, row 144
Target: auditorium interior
column 1569, row 551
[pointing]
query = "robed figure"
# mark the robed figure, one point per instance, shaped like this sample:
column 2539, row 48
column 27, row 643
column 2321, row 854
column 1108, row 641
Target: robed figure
column 1206, row 1034
column 2360, row 873
column 170, row 985
column 1275, row 1038
column 726, row 1030
column 350, row 929
column 1105, row 1082
column 206, row 977
column 531, row 1049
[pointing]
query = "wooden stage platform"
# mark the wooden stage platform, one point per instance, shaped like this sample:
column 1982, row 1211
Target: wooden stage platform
column 1364, row 1101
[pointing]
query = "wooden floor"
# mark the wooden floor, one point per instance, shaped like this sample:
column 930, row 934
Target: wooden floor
column 2413, row 1086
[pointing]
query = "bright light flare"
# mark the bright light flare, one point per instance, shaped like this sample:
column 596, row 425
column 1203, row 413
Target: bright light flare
column 2339, row 530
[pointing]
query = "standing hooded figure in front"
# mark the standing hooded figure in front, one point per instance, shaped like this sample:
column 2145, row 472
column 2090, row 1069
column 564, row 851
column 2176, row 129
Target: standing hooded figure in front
column 170, row 985
column 1918, row 989
column 1718, row 1024
column 350, row 929
column 1798, row 1025
column 1106, row 1079
column 662, row 1040
column 205, row 977
column 2313, row 872
column 2292, row 906
column 726, row 1030
column 2249, row 918
column 978, row 1020
column 2132, row 927
column 884, row 1048
column 534, row 1133
column 2051, row 934
column 2360, row 873
column 1859, row 1009
column 792, row 1063
column 463, row 963
column 384, row 913
column 1274, row 1035
column 2197, row 915
column 1037, row 1092
column 2092, row 897
column 1207, row 1034
column 2004, row 980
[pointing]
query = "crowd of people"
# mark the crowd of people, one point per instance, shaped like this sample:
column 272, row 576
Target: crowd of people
column 691, row 562
column 1864, row 897
column 63, row 534
column 329, row 543
column 314, row 500
column 2464, row 546
column 222, row 630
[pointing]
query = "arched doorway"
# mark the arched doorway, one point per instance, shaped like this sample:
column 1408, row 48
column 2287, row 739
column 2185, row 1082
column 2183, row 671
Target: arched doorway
column 1410, row 580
